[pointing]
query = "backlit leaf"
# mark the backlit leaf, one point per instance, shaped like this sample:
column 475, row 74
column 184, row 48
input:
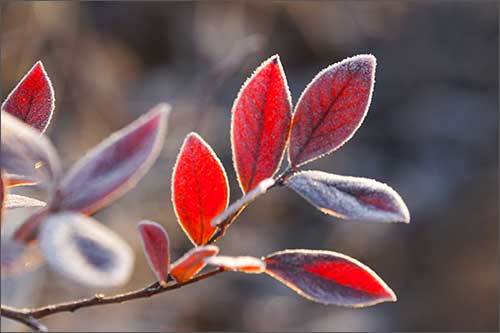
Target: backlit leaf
column 86, row 251
column 260, row 126
column 200, row 189
column 14, row 201
column 25, row 152
column 250, row 265
column 155, row 243
column 32, row 100
column 331, row 108
column 192, row 262
column 351, row 198
column 116, row 165
column 328, row 277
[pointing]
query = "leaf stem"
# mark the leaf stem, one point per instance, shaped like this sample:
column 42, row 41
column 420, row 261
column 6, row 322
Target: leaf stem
column 29, row 317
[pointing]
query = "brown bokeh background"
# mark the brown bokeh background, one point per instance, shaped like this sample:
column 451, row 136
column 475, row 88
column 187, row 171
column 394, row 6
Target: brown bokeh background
column 431, row 133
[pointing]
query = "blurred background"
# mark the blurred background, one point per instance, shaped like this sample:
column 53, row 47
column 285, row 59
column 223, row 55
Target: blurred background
column 431, row 133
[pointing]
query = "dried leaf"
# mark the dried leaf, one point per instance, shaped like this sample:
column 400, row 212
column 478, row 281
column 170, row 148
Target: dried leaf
column 25, row 152
column 331, row 108
column 32, row 100
column 86, row 251
column 155, row 244
column 14, row 201
column 260, row 125
column 17, row 258
column 242, row 202
column 350, row 197
column 192, row 262
column 328, row 277
column 200, row 189
column 116, row 165
column 250, row 265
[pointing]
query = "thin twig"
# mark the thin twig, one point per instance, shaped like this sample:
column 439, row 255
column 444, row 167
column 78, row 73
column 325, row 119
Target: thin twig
column 29, row 316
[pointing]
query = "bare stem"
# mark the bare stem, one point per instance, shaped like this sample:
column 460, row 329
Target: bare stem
column 29, row 317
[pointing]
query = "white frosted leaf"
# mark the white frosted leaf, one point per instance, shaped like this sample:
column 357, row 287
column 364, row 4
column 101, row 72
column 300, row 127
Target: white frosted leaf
column 86, row 251
column 243, row 264
column 25, row 152
column 350, row 197
column 14, row 201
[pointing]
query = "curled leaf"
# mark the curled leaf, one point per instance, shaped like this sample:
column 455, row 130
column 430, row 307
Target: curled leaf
column 328, row 277
column 331, row 108
column 25, row 152
column 86, row 251
column 155, row 243
column 250, row 265
column 200, row 189
column 242, row 202
column 260, row 125
column 350, row 197
column 32, row 100
column 17, row 258
column 192, row 262
column 113, row 167
column 14, row 201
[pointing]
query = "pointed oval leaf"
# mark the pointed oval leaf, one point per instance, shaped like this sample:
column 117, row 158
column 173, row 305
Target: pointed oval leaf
column 250, row 265
column 192, row 262
column 200, row 189
column 351, row 198
column 328, row 277
column 331, row 108
column 17, row 258
column 116, row 165
column 242, row 202
column 14, row 201
column 155, row 243
column 260, row 124
column 32, row 100
column 86, row 251
column 24, row 151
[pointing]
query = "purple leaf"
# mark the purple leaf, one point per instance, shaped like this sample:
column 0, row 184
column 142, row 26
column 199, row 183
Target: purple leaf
column 25, row 152
column 14, row 201
column 32, row 100
column 250, row 265
column 86, row 251
column 155, row 243
column 328, row 277
column 116, row 165
column 350, row 198
column 331, row 108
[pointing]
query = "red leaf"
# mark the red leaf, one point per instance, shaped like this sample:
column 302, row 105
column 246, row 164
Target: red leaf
column 32, row 100
column 200, row 189
column 3, row 194
column 192, row 262
column 116, row 165
column 28, row 230
column 260, row 124
column 331, row 108
column 155, row 244
column 328, row 277
column 13, row 180
column 353, row 198
column 249, row 265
